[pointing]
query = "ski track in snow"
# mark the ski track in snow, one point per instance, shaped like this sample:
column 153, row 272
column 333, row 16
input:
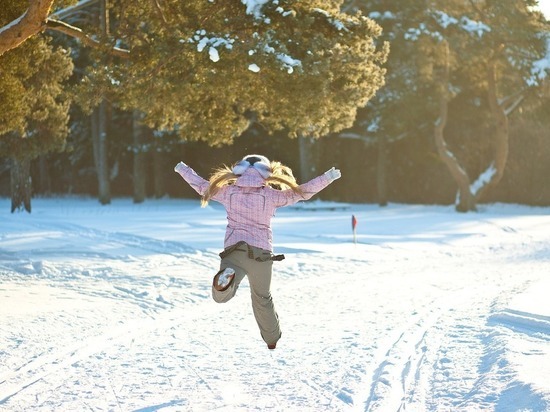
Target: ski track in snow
column 403, row 324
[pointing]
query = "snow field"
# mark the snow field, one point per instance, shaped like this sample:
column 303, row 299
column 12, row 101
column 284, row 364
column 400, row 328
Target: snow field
column 109, row 308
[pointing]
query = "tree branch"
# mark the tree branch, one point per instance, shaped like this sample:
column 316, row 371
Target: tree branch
column 514, row 105
column 27, row 25
column 500, row 135
column 465, row 199
column 35, row 20
column 476, row 8
column 512, row 102
column 156, row 5
column 72, row 10
column 76, row 32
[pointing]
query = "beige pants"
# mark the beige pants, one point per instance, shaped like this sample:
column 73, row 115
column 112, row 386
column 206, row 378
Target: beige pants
column 259, row 278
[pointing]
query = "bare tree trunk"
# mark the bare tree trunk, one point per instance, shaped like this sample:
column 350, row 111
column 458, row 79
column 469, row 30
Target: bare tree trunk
column 500, row 136
column 44, row 180
column 308, row 158
column 21, row 184
column 139, row 175
column 381, row 171
column 99, row 139
column 159, row 168
column 465, row 201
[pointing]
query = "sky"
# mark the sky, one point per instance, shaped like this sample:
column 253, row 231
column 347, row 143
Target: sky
column 544, row 6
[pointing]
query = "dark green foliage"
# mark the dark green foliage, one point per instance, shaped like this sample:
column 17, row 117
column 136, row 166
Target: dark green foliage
column 33, row 102
column 187, row 96
column 407, row 107
column 34, row 117
column 316, row 67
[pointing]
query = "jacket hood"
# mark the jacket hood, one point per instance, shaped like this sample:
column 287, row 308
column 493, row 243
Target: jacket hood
column 250, row 178
column 259, row 162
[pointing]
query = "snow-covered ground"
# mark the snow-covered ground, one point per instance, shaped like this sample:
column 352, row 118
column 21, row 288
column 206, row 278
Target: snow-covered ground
column 108, row 308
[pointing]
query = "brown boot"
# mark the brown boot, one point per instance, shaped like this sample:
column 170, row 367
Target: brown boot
column 223, row 279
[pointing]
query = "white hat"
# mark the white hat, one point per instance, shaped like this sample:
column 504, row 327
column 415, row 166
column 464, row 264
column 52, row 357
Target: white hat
column 258, row 162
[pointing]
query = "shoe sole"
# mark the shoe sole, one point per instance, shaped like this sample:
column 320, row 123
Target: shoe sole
column 227, row 275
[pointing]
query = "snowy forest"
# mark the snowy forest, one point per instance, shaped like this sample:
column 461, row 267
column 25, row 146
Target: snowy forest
column 434, row 298
column 416, row 101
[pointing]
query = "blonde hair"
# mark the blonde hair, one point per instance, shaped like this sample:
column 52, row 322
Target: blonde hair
column 281, row 178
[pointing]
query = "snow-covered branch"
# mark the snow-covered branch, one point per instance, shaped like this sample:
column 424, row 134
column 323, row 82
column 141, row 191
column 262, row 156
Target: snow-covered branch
column 76, row 32
column 483, row 179
column 514, row 105
column 35, row 20
column 27, row 25
column 71, row 10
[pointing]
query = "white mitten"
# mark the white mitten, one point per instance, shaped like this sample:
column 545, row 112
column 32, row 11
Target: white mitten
column 333, row 174
column 180, row 167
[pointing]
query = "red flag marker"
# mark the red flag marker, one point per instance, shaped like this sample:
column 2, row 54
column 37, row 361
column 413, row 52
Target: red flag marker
column 353, row 226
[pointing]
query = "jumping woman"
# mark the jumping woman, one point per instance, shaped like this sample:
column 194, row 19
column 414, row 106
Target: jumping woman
column 251, row 191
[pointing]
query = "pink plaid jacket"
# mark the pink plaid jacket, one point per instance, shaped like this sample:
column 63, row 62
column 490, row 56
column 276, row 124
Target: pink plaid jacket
column 250, row 204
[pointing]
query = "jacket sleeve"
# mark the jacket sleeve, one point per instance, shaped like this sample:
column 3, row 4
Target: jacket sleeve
column 309, row 189
column 193, row 179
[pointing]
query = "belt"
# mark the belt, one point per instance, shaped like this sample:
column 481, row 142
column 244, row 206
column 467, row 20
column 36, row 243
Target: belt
column 236, row 246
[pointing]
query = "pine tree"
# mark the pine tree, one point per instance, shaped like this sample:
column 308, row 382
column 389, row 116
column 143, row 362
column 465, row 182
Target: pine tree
column 33, row 104
column 457, row 69
column 402, row 107
column 210, row 69
column 486, row 50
